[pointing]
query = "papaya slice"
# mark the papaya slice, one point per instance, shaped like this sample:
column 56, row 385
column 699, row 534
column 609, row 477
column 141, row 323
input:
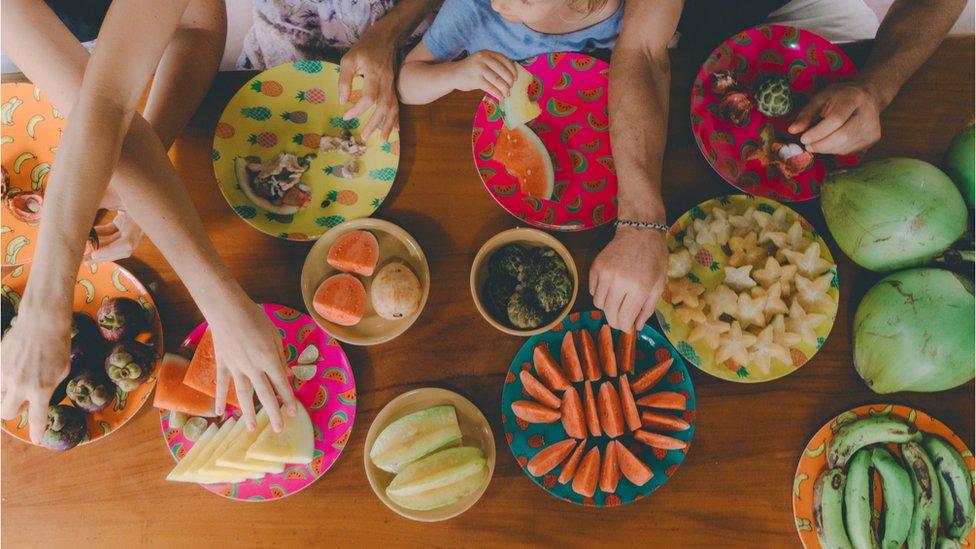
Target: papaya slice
column 605, row 347
column 609, row 470
column 591, row 364
column 663, row 422
column 572, row 464
column 651, row 377
column 538, row 391
column 341, row 299
column 550, row 457
column 354, row 252
column 611, row 416
column 584, row 483
column 592, row 418
column 632, row 468
column 571, row 360
column 666, row 400
column 533, row 412
column 572, row 414
column 526, row 158
column 626, row 351
column 664, row 442
column 550, row 372
column 201, row 374
column 631, row 416
column 173, row 394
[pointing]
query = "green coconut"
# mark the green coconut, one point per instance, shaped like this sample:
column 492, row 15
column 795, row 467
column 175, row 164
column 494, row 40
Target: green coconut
column 960, row 163
column 913, row 331
column 894, row 213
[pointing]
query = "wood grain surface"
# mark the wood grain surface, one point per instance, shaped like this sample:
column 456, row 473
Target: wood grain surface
column 733, row 489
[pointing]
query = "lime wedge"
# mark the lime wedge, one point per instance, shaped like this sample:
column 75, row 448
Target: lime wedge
column 310, row 355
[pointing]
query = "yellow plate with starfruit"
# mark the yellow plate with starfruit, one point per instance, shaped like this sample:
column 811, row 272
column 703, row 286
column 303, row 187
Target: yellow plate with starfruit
column 752, row 289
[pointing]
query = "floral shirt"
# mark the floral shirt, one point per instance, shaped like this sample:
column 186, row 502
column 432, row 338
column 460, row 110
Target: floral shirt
column 288, row 30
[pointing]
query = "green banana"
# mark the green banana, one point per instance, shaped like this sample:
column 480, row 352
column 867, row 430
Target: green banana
column 947, row 543
column 863, row 432
column 857, row 501
column 899, row 499
column 828, row 509
column 925, row 518
column 955, row 484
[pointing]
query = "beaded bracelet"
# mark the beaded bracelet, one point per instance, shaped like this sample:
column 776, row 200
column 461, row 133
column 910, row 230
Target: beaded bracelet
column 642, row 225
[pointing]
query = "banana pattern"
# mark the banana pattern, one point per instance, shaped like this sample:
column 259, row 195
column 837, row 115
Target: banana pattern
column 7, row 110
column 828, row 509
column 872, row 430
column 955, row 485
column 898, row 498
column 923, row 533
column 32, row 125
column 857, row 501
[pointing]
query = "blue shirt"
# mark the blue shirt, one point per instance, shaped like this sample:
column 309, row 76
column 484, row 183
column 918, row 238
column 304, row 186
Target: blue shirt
column 466, row 26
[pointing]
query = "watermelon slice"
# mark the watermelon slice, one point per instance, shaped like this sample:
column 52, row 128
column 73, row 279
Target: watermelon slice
column 526, row 159
column 173, row 394
column 202, row 372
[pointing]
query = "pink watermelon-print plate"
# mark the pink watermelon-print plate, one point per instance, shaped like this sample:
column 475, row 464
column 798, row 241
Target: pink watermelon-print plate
column 810, row 62
column 571, row 89
column 329, row 396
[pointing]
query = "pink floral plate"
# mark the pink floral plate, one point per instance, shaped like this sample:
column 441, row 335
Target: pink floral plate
column 329, row 395
column 571, row 89
column 741, row 154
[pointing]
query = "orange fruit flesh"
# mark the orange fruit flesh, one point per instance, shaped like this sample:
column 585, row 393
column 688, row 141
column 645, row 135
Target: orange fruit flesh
column 526, row 159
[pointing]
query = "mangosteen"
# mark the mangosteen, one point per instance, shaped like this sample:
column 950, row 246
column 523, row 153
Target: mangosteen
column 90, row 390
column 66, row 428
column 122, row 318
column 7, row 313
column 87, row 345
column 129, row 364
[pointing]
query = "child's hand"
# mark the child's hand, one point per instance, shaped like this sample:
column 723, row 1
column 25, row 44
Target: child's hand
column 486, row 70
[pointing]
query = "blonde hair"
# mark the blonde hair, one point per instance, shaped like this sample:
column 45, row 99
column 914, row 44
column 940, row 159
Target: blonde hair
column 587, row 7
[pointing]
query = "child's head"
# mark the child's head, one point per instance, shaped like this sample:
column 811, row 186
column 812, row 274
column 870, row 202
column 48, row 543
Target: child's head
column 533, row 12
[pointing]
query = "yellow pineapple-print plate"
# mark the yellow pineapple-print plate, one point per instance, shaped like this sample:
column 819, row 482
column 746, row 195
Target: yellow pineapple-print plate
column 30, row 131
column 708, row 270
column 289, row 108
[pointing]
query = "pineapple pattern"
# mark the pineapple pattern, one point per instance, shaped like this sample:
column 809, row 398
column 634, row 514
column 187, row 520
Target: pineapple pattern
column 291, row 108
column 774, row 97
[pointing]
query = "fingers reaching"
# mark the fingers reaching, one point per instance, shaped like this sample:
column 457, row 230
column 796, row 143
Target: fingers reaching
column 9, row 405
column 220, row 398
column 37, row 407
column 630, row 310
column 646, row 311
column 347, row 72
column 266, row 396
column 245, row 397
column 370, row 90
column 808, row 114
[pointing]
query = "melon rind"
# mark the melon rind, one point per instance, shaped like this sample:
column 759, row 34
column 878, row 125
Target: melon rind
column 439, row 479
column 517, row 108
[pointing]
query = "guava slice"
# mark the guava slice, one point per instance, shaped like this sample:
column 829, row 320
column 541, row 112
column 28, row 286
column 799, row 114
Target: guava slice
column 413, row 436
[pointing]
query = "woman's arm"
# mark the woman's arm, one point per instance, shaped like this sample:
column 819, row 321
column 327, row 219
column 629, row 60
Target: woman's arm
column 627, row 276
column 424, row 79
column 849, row 113
column 374, row 57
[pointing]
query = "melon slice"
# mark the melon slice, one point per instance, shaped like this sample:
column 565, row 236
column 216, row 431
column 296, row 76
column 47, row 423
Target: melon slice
column 526, row 159
column 414, row 436
column 235, row 454
column 212, row 472
column 355, row 252
column 341, row 299
column 216, row 442
column 173, row 394
column 518, row 109
column 294, row 444
column 202, row 372
column 439, row 479
column 178, row 474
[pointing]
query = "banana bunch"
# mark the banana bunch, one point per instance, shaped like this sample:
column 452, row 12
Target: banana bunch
column 928, row 486
column 7, row 110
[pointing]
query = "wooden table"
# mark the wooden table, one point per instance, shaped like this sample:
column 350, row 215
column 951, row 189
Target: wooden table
column 733, row 489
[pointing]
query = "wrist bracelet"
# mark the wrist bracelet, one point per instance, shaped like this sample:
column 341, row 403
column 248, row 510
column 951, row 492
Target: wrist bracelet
column 661, row 227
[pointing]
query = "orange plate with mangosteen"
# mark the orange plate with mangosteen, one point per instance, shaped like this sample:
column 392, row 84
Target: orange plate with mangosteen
column 813, row 461
column 96, row 283
column 30, row 130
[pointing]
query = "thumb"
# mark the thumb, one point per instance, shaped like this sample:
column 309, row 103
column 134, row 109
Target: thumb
column 808, row 114
column 37, row 408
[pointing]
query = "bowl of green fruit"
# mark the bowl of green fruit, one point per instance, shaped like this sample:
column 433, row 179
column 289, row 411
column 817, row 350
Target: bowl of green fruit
column 524, row 281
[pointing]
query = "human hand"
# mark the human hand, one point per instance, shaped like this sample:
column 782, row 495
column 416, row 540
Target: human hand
column 374, row 60
column 249, row 352
column 627, row 277
column 118, row 238
column 850, row 120
column 486, row 70
column 33, row 364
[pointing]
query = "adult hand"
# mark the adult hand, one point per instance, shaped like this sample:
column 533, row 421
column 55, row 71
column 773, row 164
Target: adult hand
column 627, row 277
column 849, row 120
column 249, row 352
column 34, row 361
column 374, row 60
column 486, row 70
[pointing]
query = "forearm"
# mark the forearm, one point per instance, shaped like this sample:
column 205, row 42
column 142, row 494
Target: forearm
column 421, row 82
column 909, row 34
column 399, row 23
column 639, row 91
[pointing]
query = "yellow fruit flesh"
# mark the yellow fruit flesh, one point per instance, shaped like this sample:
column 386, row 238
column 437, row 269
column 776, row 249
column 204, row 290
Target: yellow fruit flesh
column 517, row 107
column 235, row 454
column 294, row 444
column 178, row 474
